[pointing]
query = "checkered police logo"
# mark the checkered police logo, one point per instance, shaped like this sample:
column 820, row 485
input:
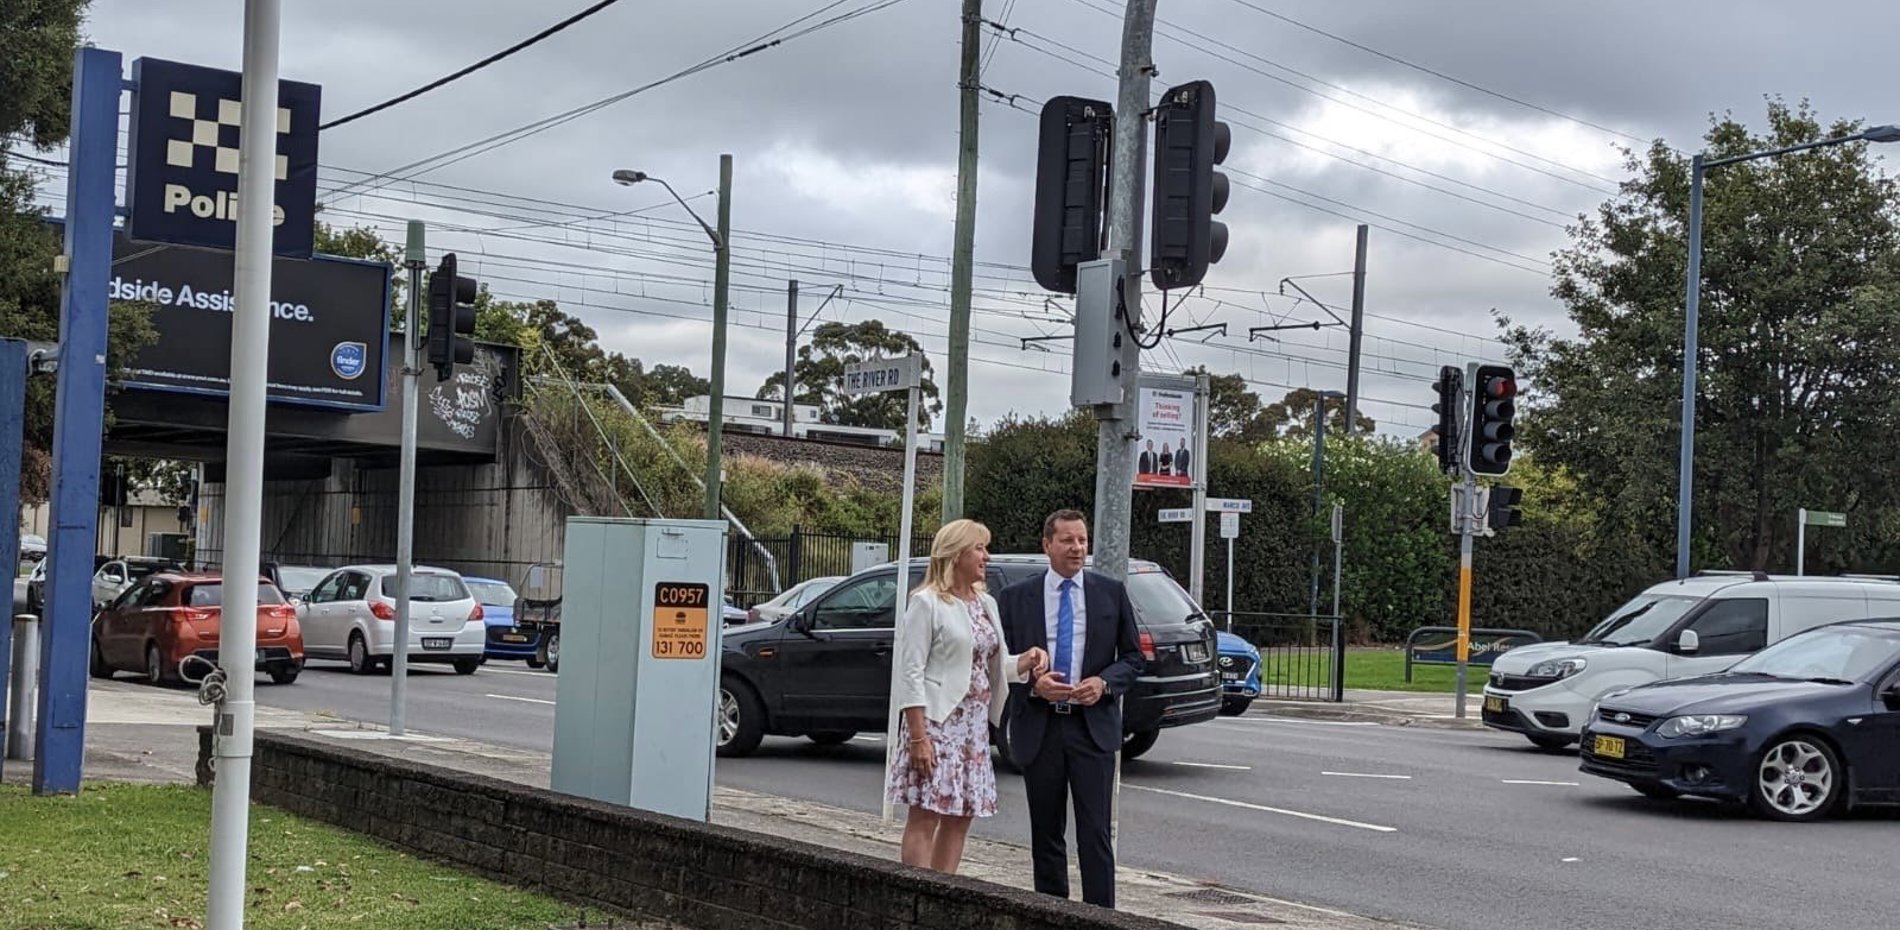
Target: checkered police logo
column 208, row 134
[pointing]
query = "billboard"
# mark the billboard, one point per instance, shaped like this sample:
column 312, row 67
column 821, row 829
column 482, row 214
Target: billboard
column 329, row 335
column 182, row 174
column 1165, row 456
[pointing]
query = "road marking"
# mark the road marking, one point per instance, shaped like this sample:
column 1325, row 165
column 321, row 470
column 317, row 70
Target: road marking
column 1264, row 809
column 1367, row 775
column 1570, row 859
column 518, row 671
column 1315, row 723
column 1532, row 781
column 524, row 700
column 867, row 739
column 1215, row 765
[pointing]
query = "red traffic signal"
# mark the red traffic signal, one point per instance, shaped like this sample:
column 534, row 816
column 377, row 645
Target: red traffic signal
column 1493, row 412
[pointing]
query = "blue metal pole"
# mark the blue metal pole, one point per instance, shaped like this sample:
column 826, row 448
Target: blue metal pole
column 1685, row 469
column 78, row 423
column 13, row 366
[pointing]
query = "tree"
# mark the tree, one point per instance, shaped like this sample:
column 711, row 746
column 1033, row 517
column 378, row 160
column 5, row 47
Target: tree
column 670, row 385
column 1799, row 361
column 819, row 376
column 1293, row 416
column 364, row 243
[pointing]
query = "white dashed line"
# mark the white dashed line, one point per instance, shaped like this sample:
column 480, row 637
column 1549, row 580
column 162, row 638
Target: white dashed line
column 524, row 700
column 867, row 739
column 1367, row 775
column 1336, row 821
column 1570, row 859
column 1215, row 765
column 1532, row 781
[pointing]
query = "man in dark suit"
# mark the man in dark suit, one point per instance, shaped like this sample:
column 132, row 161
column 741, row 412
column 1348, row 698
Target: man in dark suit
column 1147, row 462
column 1181, row 459
column 1066, row 726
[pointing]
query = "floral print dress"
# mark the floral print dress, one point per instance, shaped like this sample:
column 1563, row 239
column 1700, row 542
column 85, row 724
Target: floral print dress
column 964, row 783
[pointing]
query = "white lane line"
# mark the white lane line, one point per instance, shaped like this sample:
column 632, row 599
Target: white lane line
column 1376, row 828
column 1532, row 781
column 867, row 739
column 1571, row 859
column 1305, row 722
column 489, row 670
column 1215, row 765
column 524, row 700
column 1367, row 775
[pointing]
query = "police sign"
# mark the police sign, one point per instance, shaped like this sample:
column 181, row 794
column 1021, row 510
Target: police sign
column 181, row 184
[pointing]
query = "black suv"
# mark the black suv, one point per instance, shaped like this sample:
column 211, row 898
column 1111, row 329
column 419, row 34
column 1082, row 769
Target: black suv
column 824, row 672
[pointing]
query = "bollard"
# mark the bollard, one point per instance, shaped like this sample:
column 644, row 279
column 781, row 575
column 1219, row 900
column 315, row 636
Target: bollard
column 26, row 673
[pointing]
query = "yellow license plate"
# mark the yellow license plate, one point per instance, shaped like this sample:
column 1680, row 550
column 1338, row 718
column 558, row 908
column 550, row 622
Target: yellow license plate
column 1609, row 747
column 1494, row 705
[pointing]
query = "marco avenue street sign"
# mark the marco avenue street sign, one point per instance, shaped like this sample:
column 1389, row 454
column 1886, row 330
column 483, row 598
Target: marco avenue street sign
column 884, row 374
column 1826, row 518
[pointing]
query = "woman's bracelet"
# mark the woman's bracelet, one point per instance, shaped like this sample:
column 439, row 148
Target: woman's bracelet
column 919, row 740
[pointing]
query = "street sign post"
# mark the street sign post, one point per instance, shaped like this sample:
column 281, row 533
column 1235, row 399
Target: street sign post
column 1805, row 518
column 1230, row 530
column 872, row 376
column 1229, row 505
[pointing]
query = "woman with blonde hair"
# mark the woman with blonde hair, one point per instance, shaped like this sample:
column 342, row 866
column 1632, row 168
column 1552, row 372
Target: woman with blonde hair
column 952, row 672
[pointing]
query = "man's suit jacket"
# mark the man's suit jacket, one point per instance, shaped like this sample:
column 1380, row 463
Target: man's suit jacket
column 1112, row 653
column 1181, row 463
column 1146, row 465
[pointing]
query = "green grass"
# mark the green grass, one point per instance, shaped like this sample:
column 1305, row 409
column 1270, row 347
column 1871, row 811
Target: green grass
column 135, row 856
column 1371, row 668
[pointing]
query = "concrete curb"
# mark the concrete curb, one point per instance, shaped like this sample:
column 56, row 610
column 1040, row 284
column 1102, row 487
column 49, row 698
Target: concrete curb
column 1367, row 713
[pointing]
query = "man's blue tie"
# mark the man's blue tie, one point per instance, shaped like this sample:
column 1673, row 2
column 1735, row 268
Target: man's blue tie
column 1065, row 632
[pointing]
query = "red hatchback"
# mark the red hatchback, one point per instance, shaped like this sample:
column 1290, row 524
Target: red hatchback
column 166, row 618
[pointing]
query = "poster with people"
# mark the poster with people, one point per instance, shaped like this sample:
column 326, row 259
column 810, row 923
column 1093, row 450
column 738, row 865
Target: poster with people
column 1166, row 456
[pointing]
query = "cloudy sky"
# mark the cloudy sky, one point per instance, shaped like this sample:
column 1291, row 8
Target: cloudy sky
column 845, row 147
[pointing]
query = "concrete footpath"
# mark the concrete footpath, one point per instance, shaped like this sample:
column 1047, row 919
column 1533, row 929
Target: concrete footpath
column 1393, row 708
column 136, row 733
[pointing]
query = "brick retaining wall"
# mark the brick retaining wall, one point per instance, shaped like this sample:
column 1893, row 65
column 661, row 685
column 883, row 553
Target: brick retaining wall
column 635, row 862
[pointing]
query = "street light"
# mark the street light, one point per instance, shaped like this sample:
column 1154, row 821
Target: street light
column 1698, row 166
column 722, row 274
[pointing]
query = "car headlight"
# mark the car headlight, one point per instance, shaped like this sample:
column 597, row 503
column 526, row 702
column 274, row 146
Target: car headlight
column 1557, row 668
column 1699, row 724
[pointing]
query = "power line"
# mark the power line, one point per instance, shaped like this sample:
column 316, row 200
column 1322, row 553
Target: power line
column 471, row 69
column 1472, row 242
column 1461, row 82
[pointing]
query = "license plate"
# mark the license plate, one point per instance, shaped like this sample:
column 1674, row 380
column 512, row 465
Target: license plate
column 514, row 637
column 1195, row 652
column 1609, row 747
column 1230, row 676
column 1496, row 705
column 437, row 642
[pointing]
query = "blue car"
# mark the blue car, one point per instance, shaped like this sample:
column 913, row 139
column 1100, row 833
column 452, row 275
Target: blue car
column 498, row 612
column 1797, row 731
column 1239, row 664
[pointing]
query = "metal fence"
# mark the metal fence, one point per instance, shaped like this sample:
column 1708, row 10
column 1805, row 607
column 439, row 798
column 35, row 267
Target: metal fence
column 800, row 556
column 1302, row 656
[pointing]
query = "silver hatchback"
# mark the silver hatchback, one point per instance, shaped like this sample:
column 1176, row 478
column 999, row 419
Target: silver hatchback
column 351, row 615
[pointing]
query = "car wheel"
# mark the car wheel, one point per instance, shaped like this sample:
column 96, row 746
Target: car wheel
column 553, row 650
column 284, row 674
column 535, row 661
column 1657, row 792
column 831, row 737
column 360, row 661
column 155, row 665
column 97, row 665
column 1550, row 743
column 1798, row 778
column 741, row 719
column 1234, row 707
column 1135, row 744
column 467, row 666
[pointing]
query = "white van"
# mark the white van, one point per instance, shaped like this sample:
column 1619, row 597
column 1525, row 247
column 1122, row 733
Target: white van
column 1677, row 629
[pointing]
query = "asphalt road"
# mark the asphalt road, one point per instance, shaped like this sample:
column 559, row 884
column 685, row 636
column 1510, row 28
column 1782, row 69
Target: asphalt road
column 1455, row 829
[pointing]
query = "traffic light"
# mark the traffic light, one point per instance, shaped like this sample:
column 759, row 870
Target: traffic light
column 1189, row 142
column 1072, row 155
column 451, row 319
column 1450, row 388
column 1493, row 407
column 1502, row 507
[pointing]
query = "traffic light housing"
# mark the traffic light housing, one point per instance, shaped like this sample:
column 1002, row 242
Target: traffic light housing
column 1493, row 408
column 1072, row 157
column 1450, row 388
column 451, row 319
column 1189, row 142
column 1502, row 508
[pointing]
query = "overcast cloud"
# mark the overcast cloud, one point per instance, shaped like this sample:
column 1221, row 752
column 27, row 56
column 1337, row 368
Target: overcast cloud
column 849, row 137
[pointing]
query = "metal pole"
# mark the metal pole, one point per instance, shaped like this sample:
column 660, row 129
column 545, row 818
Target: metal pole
column 1339, row 550
column 1466, row 518
column 1319, row 485
column 1115, row 440
column 1230, row 582
column 908, row 498
column 1339, row 621
column 78, row 414
column 13, row 372
column 1358, row 331
column 417, row 257
column 962, row 264
column 1197, row 553
column 26, row 671
column 244, row 464
column 791, row 349
column 1801, row 541
column 1691, row 304
column 722, row 274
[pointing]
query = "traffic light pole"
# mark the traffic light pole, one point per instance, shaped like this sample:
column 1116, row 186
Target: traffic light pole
column 722, row 276
column 1467, row 528
column 1115, row 439
column 416, row 256
column 962, row 262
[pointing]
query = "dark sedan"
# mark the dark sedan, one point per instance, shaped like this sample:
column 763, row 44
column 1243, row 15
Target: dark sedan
column 1799, row 730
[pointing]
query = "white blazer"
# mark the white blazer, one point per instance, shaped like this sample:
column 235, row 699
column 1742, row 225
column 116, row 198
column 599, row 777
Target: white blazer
column 934, row 642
